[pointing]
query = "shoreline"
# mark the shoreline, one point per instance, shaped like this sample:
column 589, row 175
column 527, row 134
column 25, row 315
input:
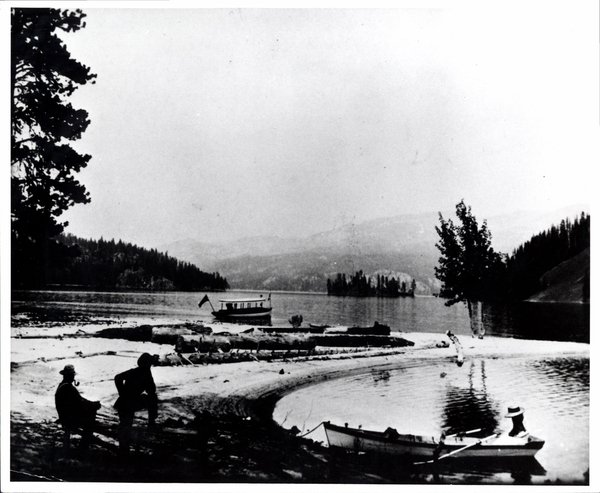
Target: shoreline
column 236, row 398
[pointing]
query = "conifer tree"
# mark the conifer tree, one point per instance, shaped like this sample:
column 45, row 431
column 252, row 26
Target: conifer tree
column 43, row 164
column 467, row 264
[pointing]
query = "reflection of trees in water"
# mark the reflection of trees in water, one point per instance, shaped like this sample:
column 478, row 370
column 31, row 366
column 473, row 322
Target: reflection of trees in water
column 539, row 321
column 469, row 408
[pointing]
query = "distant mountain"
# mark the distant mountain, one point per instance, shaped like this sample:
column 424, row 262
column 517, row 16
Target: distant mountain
column 309, row 271
column 404, row 245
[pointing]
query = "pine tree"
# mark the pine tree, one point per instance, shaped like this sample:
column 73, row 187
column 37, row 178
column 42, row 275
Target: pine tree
column 43, row 164
column 467, row 264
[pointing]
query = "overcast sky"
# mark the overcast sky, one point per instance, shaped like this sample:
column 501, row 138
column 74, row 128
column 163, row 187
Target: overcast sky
column 220, row 124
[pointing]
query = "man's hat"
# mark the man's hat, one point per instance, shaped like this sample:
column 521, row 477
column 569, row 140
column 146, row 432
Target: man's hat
column 514, row 411
column 68, row 370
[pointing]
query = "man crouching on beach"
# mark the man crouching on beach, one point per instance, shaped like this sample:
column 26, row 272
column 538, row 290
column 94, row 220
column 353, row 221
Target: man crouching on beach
column 137, row 391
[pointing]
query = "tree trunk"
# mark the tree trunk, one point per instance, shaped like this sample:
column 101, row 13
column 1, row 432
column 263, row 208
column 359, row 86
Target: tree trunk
column 476, row 318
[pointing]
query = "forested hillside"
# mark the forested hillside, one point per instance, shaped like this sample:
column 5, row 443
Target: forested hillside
column 529, row 263
column 361, row 285
column 567, row 282
column 101, row 264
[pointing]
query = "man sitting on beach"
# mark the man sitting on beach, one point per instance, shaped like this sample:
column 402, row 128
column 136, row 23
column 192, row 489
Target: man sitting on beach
column 137, row 391
column 74, row 411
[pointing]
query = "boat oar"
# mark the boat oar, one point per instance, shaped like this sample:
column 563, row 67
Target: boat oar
column 454, row 452
column 464, row 433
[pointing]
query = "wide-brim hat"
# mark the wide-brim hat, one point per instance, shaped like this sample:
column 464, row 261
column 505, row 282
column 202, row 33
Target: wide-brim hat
column 514, row 411
column 68, row 370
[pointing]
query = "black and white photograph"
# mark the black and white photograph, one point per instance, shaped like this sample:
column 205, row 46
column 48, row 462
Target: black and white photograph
column 319, row 246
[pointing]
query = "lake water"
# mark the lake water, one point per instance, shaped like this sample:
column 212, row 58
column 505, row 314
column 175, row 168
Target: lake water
column 426, row 398
column 421, row 397
column 539, row 321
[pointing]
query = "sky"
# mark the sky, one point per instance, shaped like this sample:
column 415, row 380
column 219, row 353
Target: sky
column 220, row 124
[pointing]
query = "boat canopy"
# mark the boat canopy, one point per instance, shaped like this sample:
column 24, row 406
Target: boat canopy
column 245, row 300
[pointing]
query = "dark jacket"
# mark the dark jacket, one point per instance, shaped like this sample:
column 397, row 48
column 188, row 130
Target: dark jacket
column 131, row 384
column 73, row 409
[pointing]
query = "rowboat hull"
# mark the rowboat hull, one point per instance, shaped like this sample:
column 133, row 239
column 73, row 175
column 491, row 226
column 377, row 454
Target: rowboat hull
column 425, row 448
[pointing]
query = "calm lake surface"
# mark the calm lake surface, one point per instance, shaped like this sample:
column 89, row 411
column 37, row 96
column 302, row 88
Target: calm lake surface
column 537, row 321
column 420, row 397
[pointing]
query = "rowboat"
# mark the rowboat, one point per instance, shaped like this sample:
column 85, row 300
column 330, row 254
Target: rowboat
column 416, row 447
column 242, row 309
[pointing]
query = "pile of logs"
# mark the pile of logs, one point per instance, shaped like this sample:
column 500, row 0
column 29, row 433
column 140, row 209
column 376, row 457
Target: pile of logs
column 351, row 340
column 159, row 335
column 254, row 341
column 198, row 358
column 197, row 344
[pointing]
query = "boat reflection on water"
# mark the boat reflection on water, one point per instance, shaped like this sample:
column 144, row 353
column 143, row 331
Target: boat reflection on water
column 516, row 470
column 472, row 408
column 383, row 468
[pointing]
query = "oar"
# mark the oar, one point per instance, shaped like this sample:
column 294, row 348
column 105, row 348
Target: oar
column 463, row 433
column 454, row 452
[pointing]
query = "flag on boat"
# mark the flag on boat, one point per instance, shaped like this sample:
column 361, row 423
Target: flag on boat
column 202, row 301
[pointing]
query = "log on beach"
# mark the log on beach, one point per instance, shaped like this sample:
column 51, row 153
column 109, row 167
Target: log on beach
column 143, row 333
column 273, row 342
column 170, row 335
column 249, row 342
column 147, row 333
column 377, row 329
column 292, row 330
column 350, row 340
column 204, row 344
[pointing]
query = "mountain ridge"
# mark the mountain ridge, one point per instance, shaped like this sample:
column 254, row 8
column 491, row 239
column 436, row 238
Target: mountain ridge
column 404, row 244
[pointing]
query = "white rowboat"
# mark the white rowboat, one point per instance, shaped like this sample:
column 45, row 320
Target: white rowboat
column 416, row 447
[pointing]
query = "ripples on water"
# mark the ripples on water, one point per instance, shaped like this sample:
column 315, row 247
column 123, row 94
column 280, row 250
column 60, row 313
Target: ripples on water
column 422, row 397
column 561, row 322
column 426, row 398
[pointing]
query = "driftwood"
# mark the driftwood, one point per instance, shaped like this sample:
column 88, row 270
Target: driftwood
column 168, row 335
column 236, row 357
column 204, row 344
column 297, row 330
column 147, row 333
column 346, row 340
column 79, row 334
column 460, row 358
column 141, row 333
column 14, row 364
column 248, row 341
column 273, row 342
column 377, row 329
column 179, row 359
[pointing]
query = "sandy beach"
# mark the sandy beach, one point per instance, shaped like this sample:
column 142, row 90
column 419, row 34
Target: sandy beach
column 215, row 419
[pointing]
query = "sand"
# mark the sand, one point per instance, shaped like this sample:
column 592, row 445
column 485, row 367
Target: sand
column 237, row 399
